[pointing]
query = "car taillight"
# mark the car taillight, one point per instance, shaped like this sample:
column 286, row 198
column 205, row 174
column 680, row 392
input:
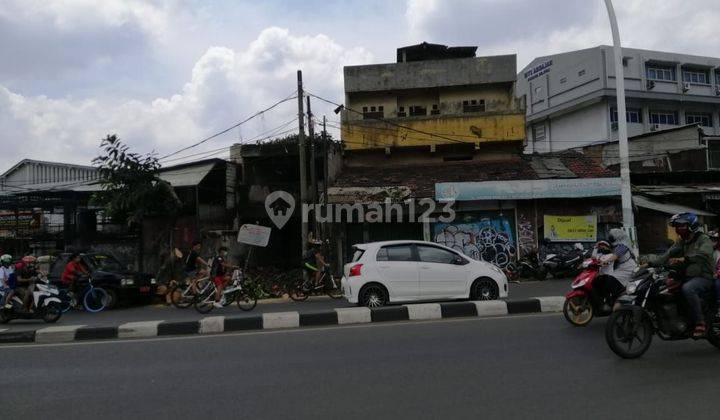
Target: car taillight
column 355, row 270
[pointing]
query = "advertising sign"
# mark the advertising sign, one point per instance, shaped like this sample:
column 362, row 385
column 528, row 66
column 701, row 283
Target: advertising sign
column 254, row 235
column 527, row 190
column 570, row 228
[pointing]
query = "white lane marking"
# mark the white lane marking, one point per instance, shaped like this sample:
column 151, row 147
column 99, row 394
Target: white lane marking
column 294, row 330
column 212, row 325
column 276, row 320
column 353, row 315
column 424, row 311
column 140, row 329
column 57, row 334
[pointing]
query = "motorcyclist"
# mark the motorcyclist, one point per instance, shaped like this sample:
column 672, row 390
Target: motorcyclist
column 27, row 273
column 715, row 238
column 7, row 279
column 622, row 258
column 693, row 252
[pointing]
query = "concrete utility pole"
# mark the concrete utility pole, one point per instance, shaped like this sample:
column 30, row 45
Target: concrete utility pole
column 625, row 189
column 326, row 157
column 303, row 169
column 313, row 175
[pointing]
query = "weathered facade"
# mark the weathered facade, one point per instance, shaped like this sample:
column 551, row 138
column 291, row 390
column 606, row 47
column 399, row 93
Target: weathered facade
column 438, row 96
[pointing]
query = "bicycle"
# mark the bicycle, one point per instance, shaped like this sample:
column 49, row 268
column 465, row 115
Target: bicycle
column 301, row 289
column 182, row 295
column 94, row 299
column 239, row 291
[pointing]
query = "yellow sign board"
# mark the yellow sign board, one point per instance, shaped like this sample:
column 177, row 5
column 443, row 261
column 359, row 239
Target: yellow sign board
column 570, row 228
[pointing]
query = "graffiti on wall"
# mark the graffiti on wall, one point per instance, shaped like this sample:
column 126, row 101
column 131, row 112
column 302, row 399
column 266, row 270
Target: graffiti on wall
column 489, row 240
column 526, row 235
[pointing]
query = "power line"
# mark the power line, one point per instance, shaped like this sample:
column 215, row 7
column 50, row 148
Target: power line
column 292, row 96
column 387, row 121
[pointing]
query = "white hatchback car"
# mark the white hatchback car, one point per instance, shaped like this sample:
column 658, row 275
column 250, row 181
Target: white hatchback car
column 403, row 271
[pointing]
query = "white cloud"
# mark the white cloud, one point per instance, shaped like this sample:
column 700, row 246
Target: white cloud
column 532, row 29
column 225, row 86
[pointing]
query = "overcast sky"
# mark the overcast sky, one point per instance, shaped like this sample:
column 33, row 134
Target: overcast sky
column 164, row 74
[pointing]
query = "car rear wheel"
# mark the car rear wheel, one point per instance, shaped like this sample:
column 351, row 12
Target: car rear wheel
column 484, row 289
column 373, row 296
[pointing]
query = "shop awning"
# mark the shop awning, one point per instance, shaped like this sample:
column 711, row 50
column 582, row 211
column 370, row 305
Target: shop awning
column 188, row 176
column 647, row 203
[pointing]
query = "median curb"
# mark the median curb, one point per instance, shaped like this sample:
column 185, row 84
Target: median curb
column 285, row 320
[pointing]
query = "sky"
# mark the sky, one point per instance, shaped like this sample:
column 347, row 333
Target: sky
column 165, row 74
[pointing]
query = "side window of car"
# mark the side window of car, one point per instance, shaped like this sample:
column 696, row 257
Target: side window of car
column 431, row 254
column 395, row 253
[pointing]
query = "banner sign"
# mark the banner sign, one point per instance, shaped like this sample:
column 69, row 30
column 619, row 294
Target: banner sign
column 254, row 235
column 527, row 189
column 570, row 228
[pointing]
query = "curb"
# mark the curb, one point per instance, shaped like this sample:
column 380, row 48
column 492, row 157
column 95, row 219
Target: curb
column 286, row 320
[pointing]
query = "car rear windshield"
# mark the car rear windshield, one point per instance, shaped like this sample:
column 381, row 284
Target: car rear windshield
column 357, row 254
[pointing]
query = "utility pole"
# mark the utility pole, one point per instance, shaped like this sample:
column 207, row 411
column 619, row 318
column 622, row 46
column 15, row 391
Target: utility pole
column 303, row 169
column 326, row 157
column 625, row 189
column 313, row 175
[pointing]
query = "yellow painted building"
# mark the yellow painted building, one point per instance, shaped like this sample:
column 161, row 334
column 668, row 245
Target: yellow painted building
column 433, row 95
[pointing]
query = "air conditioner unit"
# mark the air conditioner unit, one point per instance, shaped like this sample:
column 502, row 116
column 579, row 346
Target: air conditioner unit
column 686, row 86
column 650, row 84
column 654, row 127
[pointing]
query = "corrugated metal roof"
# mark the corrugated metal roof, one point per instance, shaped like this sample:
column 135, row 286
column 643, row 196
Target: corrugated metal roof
column 187, row 176
column 647, row 203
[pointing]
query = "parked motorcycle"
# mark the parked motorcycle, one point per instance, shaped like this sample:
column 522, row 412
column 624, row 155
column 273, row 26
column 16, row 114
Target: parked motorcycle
column 593, row 294
column 530, row 266
column 654, row 306
column 46, row 301
column 566, row 264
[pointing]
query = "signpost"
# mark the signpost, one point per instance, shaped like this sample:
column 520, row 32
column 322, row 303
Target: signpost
column 253, row 235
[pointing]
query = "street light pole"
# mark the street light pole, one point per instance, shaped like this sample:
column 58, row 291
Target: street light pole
column 625, row 190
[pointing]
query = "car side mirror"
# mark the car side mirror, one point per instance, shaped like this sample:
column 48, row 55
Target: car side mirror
column 458, row 260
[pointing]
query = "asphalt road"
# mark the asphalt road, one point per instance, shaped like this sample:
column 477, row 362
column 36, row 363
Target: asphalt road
column 521, row 367
column 160, row 312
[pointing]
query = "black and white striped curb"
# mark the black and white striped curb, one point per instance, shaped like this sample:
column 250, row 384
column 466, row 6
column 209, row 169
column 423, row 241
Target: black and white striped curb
column 279, row 320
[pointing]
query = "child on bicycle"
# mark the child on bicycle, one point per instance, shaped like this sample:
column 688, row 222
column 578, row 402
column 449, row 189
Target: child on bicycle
column 219, row 274
column 314, row 261
column 73, row 270
column 194, row 265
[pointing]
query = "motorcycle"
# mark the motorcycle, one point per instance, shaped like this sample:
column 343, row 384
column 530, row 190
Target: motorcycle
column 654, row 306
column 587, row 300
column 567, row 264
column 530, row 266
column 46, row 300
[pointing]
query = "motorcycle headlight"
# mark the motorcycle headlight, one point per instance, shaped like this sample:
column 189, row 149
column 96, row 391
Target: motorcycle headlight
column 127, row 282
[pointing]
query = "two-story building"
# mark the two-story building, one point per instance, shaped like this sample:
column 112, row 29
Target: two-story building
column 571, row 99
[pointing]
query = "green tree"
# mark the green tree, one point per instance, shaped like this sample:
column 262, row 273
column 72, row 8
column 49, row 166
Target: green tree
column 131, row 188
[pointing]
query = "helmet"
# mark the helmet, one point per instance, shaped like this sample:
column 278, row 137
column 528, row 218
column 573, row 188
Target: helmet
column 29, row 259
column 686, row 219
column 5, row 259
column 605, row 244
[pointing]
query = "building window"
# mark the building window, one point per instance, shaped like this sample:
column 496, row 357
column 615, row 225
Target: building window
column 374, row 113
column 699, row 77
column 401, row 112
column 435, row 110
column 474, row 105
column 663, row 117
column 661, row 73
column 538, row 90
column 538, row 132
column 581, row 73
column 717, row 76
column 633, row 115
column 416, row 111
column 563, row 80
column 713, row 154
column 704, row 120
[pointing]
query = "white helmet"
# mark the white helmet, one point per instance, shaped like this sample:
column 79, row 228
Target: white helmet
column 6, row 259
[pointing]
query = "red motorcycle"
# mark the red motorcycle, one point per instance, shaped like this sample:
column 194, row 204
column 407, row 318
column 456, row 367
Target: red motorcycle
column 593, row 294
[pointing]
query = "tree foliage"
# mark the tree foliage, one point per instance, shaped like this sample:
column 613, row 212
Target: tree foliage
column 131, row 188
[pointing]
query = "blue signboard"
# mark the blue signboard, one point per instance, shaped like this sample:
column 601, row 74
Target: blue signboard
column 527, row 189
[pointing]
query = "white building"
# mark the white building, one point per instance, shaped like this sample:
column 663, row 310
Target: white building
column 571, row 96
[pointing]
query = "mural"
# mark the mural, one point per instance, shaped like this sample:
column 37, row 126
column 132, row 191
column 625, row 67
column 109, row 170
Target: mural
column 526, row 235
column 488, row 239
